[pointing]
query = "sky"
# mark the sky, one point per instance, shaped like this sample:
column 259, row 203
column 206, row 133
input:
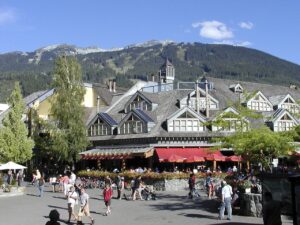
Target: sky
column 271, row 26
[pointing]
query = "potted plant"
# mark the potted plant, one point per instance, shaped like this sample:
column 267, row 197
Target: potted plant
column 245, row 186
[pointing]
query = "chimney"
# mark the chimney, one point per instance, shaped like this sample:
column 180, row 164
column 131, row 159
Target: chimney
column 98, row 104
column 114, row 85
column 207, row 99
column 110, row 85
column 197, row 97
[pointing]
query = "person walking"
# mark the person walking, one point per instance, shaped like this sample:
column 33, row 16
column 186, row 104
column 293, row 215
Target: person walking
column 41, row 184
column 192, row 182
column 84, row 209
column 107, row 194
column 226, row 201
column 72, row 197
column 137, row 188
column 65, row 181
column 120, row 186
column 20, row 178
column 271, row 210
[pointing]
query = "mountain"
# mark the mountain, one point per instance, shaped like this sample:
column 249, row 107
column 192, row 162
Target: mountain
column 139, row 61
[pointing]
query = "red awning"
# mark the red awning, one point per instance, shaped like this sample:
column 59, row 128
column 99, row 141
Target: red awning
column 175, row 158
column 199, row 153
column 234, row 158
column 194, row 158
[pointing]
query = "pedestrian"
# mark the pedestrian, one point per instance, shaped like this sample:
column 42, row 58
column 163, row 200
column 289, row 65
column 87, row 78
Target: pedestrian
column 54, row 217
column 226, row 201
column 9, row 177
column 65, row 181
column 107, row 194
column 271, row 210
column 137, row 188
column 120, row 186
column 41, row 184
column 192, row 182
column 72, row 197
column 20, row 178
column 84, row 209
column 209, row 186
column 72, row 178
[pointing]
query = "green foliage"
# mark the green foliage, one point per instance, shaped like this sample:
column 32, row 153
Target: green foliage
column 69, row 135
column 148, row 175
column 14, row 142
column 191, row 60
column 260, row 144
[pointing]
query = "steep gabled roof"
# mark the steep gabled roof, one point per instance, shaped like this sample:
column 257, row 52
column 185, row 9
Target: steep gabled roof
column 179, row 112
column 106, row 118
column 279, row 113
column 279, row 99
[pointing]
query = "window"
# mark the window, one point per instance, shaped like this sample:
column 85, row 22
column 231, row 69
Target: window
column 139, row 103
column 132, row 126
column 99, row 128
column 185, row 123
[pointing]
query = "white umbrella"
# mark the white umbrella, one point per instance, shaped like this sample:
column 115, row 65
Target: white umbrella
column 12, row 166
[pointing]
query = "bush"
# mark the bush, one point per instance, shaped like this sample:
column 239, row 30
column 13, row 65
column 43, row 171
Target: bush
column 146, row 176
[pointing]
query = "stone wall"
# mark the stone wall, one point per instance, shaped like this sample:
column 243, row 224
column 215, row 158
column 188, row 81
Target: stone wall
column 175, row 184
column 251, row 205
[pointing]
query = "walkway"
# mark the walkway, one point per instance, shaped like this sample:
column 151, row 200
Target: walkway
column 170, row 208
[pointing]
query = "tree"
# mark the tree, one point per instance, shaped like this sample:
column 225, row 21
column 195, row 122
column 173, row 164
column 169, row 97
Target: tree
column 15, row 145
column 69, row 137
column 260, row 145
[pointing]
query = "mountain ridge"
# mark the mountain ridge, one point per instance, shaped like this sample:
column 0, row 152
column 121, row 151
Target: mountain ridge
column 139, row 61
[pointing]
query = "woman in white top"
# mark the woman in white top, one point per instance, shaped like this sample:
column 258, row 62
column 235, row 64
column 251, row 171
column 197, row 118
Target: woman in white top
column 72, row 199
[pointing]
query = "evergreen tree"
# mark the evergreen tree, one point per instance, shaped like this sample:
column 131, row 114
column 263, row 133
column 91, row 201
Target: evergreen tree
column 67, row 111
column 15, row 145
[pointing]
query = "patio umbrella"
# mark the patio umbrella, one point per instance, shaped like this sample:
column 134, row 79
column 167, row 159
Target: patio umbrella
column 175, row 159
column 194, row 158
column 12, row 166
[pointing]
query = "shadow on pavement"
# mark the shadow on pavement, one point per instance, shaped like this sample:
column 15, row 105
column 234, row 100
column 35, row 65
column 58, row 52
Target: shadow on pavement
column 233, row 223
column 200, row 216
column 57, row 207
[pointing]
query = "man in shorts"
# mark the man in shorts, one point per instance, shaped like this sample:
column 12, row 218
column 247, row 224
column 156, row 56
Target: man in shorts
column 84, row 209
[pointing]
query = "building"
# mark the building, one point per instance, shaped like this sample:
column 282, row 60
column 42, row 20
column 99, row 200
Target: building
column 153, row 123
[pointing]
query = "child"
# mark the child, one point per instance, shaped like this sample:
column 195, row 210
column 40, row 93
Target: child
column 107, row 194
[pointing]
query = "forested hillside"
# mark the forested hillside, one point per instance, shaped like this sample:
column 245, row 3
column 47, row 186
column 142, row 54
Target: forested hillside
column 191, row 60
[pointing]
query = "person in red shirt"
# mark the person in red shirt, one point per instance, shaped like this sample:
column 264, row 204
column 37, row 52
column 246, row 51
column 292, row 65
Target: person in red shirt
column 107, row 194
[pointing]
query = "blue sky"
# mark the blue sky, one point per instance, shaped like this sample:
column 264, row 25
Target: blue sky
column 271, row 26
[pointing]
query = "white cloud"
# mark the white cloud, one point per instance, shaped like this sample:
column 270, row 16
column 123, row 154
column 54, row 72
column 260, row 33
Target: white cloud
column 246, row 25
column 234, row 43
column 213, row 30
column 7, row 16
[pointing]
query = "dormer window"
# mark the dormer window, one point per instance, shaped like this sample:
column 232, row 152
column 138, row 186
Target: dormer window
column 283, row 121
column 139, row 101
column 186, row 120
column 99, row 128
column 102, row 124
column 259, row 103
column 230, row 121
column 136, row 122
column 236, row 88
column 132, row 126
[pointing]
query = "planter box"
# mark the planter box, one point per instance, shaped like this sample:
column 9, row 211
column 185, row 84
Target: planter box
column 174, row 184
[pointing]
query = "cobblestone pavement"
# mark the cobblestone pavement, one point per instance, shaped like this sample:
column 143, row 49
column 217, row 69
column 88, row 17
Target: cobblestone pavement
column 170, row 208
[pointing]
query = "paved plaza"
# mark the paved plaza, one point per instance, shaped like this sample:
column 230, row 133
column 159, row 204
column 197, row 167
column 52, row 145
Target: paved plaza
column 170, row 208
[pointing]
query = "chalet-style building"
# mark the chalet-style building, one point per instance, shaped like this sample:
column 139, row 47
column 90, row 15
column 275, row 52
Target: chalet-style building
column 154, row 121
